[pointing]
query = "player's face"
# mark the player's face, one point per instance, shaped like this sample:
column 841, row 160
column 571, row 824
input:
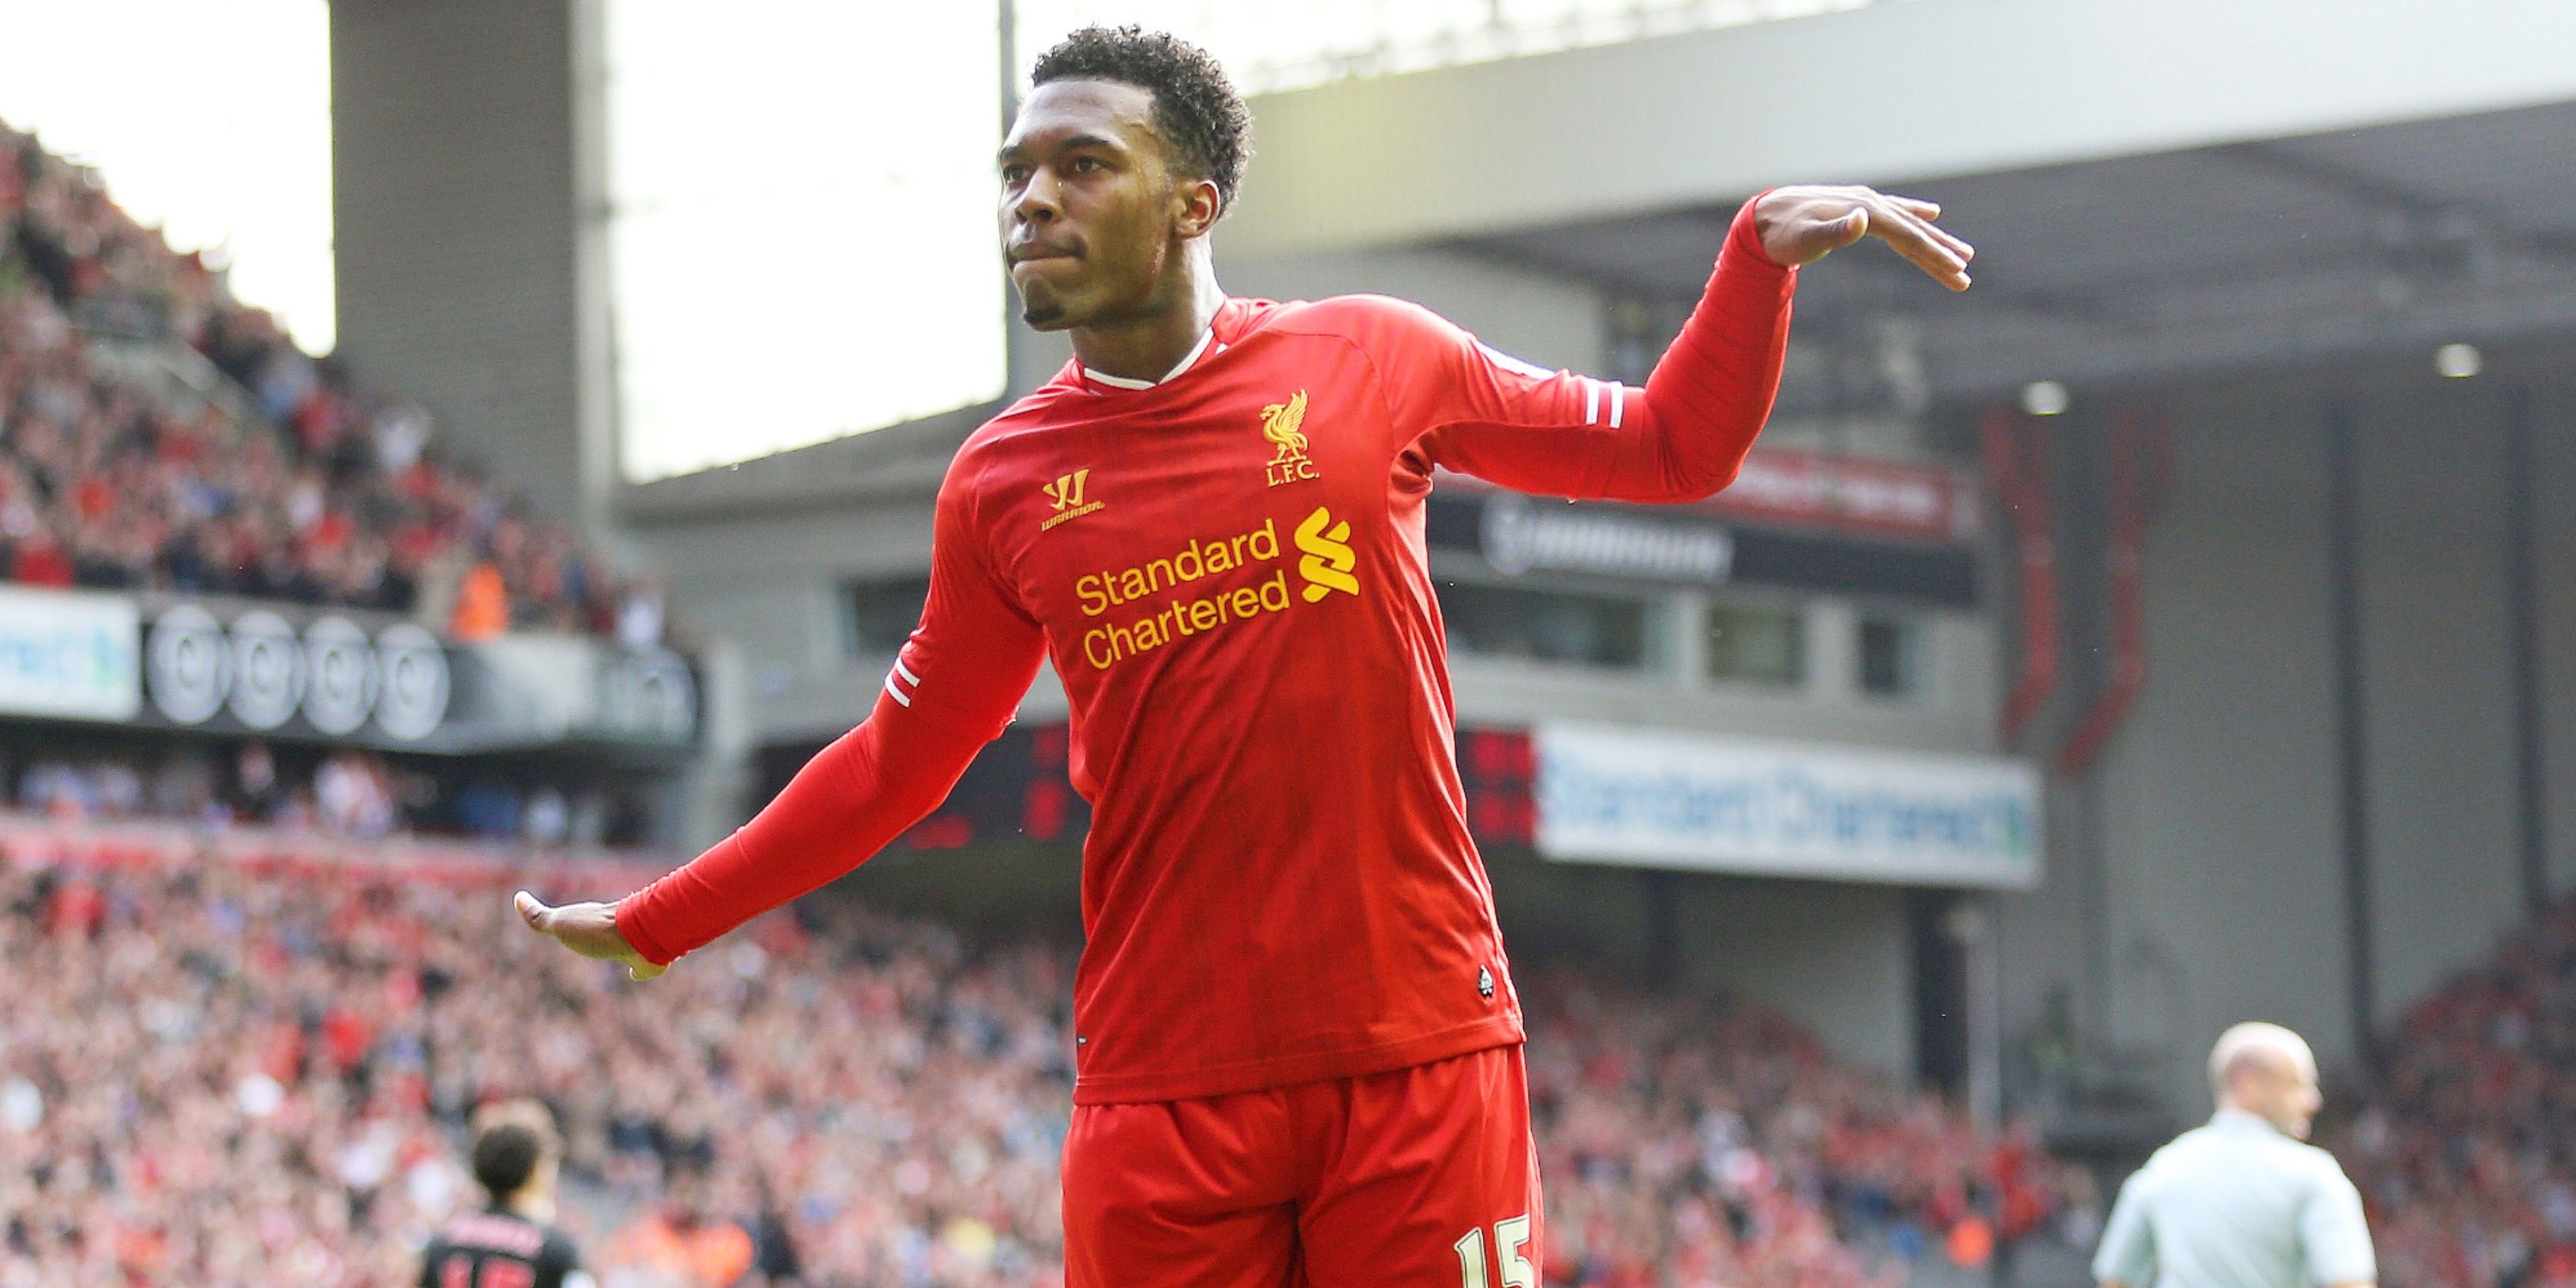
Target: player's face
column 1090, row 214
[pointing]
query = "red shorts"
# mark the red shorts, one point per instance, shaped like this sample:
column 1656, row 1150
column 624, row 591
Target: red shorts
column 1415, row 1177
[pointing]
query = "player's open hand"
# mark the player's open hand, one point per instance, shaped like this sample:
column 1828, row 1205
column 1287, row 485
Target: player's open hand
column 586, row 928
column 1803, row 224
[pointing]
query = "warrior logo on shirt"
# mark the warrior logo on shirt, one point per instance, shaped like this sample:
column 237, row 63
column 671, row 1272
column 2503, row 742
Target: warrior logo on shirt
column 1284, row 424
column 1065, row 494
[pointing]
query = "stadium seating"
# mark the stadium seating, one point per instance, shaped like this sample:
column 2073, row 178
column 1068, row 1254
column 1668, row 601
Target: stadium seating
column 248, row 1051
column 2466, row 1152
column 296, row 483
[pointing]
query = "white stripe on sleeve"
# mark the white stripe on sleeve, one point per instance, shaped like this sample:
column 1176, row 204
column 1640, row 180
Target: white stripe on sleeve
column 897, row 694
column 1509, row 363
column 1591, row 401
column 1618, row 402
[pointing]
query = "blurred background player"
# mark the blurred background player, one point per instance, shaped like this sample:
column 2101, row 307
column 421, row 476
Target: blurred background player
column 2244, row 1202
column 512, row 1243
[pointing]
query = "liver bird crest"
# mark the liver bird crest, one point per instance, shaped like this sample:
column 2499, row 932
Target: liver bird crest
column 1283, row 423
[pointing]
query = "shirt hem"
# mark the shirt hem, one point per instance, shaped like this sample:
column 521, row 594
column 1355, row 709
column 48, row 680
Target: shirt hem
column 1200, row 1084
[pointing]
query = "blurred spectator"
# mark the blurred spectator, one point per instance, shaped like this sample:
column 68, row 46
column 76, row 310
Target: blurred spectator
column 257, row 796
column 677, row 1244
column 639, row 617
column 548, row 822
column 489, row 810
column 354, row 795
column 65, row 789
column 482, row 604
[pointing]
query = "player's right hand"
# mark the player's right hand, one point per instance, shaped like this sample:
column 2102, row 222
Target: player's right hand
column 586, row 928
column 1802, row 224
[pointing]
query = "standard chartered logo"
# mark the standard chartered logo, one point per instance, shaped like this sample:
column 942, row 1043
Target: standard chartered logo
column 1152, row 604
column 1329, row 559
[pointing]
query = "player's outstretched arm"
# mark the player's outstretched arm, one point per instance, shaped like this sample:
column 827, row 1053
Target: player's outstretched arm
column 1685, row 435
column 953, row 688
column 586, row 928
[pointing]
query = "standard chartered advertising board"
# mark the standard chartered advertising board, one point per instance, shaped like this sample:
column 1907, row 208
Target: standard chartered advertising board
column 1662, row 799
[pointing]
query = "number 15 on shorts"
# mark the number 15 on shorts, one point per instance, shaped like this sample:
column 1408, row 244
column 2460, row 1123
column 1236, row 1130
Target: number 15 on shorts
column 1510, row 1236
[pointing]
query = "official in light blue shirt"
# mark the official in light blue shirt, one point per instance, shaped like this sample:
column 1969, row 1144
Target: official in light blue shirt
column 2243, row 1202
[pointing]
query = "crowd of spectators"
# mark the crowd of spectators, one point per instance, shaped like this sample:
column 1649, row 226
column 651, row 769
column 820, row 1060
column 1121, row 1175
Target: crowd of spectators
column 317, row 491
column 251, row 1071
column 1693, row 1144
column 2465, row 1153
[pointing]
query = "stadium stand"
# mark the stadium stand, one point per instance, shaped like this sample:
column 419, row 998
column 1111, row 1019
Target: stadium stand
column 2465, row 1153
column 297, row 483
column 250, row 1051
column 1721, row 1144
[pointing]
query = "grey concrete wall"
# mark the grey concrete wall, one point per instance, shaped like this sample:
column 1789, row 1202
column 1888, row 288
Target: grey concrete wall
column 2436, row 658
column 1835, row 957
column 453, row 151
column 2218, row 804
column 2554, row 443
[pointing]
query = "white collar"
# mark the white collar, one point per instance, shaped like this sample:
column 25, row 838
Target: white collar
column 2234, row 1119
column 1187, row 361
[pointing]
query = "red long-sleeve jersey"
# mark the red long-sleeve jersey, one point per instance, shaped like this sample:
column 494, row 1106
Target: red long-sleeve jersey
column 1227, row 570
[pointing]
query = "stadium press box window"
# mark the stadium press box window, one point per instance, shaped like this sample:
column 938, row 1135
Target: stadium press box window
column 1518, row 623
column 1893, row 656
column 878, row 615
column 1758, row 644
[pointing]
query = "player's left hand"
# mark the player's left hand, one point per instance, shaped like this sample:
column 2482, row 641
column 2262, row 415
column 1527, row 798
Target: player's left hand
column 1805, row 223
column 586, row 928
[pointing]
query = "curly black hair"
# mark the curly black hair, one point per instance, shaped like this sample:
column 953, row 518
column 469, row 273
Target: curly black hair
column 1196, row 108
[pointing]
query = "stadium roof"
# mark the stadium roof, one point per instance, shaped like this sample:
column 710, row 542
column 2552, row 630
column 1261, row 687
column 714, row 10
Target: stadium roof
column 2284, row 252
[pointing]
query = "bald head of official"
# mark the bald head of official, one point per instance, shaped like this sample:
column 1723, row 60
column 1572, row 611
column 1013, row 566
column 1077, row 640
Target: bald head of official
column 2267, row 1071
